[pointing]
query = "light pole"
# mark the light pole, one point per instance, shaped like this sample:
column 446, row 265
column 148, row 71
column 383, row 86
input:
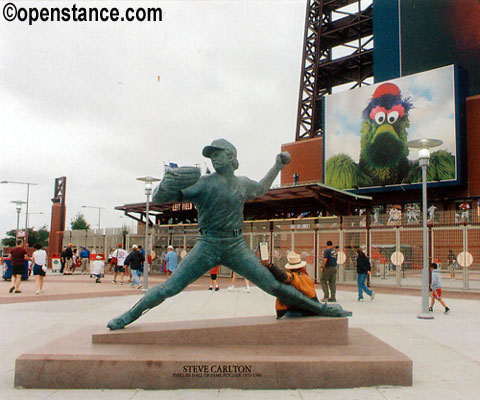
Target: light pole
column 28, row 194
column 148, row 191
column 35, row 213
column 99, row 212
column 424, row 146
column 18, row 207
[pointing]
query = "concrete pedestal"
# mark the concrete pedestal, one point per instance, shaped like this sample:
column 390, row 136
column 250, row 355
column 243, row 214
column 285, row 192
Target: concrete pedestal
column 242, row 353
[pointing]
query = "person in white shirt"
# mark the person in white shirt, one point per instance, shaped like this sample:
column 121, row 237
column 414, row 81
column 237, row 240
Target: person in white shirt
column 39, row 261
column 98, row 267
column 120, row 255
column 436, row 286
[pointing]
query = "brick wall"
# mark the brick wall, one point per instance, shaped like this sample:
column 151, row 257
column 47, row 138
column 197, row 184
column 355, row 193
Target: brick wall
column 473, row 145
column 307, row 161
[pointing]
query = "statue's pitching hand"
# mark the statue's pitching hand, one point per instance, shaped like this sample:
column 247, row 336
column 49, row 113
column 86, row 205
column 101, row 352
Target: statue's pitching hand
column 284, row 158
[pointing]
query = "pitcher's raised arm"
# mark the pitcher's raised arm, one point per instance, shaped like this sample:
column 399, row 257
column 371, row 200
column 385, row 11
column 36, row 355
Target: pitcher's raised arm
column 264, row 184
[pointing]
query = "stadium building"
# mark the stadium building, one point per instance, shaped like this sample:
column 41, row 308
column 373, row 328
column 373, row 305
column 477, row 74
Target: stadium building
column 376, row 76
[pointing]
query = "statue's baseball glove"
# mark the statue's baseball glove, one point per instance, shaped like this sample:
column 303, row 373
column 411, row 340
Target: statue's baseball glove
column 175, row 180
column 180, row 178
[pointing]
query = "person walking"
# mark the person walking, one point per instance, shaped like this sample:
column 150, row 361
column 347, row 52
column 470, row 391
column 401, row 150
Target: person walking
column 452, row 263
column 68, row 260
column 75, row 260
column 231, row 288
column 112, row 261
column 63, row 260
column 120, row 255
column 134, row 260
column 329, row 273
column 363, row 270
column 39, row 261
column 436, row 287
column 171, row 259
column 219, row 199
column 18, row 257
column 140, row 271
column 213, row 279
column 84, row 260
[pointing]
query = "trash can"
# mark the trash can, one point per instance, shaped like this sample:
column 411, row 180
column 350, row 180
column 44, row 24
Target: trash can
column 7, row 269
column 56, row 262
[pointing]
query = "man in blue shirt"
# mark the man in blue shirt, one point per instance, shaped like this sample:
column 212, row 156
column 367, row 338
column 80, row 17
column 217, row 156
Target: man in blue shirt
column 84, row 259
column 171, row 259
column 219, row 198
column 142, row 250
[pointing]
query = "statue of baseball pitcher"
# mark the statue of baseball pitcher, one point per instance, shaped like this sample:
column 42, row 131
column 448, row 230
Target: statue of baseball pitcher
column 219, row 198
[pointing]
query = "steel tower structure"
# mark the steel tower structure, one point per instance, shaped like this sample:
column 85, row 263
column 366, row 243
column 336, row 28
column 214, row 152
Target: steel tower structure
column 331, row 27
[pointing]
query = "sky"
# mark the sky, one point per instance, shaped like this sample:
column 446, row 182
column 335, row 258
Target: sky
column 103, row 103
column 432, row 114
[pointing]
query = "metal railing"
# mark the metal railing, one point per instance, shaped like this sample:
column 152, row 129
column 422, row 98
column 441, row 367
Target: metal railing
column 447, row 237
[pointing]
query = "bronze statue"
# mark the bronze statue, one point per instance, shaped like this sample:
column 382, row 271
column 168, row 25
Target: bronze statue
column 219, row 198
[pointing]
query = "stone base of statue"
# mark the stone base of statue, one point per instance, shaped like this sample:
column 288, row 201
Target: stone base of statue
column 240, row 353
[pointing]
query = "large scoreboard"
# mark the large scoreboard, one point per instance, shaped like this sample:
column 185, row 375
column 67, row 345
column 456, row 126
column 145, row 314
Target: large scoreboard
column 367, row 130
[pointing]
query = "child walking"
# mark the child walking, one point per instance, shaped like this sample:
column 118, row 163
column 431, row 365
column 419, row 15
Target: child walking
column 213, row 278
column 436, row 286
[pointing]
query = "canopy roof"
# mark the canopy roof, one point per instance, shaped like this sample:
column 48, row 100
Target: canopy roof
column 285, row 202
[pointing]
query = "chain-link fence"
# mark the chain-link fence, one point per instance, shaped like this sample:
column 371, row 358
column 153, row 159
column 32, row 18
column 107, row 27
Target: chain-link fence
column 448, row 237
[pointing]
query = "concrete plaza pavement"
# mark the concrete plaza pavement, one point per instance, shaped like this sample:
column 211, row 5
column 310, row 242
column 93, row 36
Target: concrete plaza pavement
column 445, row 351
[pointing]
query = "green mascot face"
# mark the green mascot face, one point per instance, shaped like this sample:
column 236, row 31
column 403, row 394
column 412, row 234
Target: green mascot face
column 384, row 137
column 384, row 148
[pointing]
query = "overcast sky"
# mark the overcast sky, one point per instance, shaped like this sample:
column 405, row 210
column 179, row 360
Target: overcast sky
column 105, row 103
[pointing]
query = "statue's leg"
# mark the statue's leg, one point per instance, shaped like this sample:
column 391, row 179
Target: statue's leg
column 200, row 259
column 242, row 260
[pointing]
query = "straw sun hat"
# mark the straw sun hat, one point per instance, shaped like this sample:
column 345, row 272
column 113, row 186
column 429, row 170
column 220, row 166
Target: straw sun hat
column 294, row 261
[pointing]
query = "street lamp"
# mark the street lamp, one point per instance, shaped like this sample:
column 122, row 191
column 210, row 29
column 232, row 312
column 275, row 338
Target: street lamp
column 18, row 204
column 99, row 212
column 424, row 146
column 148, row 191
column 28, row 193
column 34, row 213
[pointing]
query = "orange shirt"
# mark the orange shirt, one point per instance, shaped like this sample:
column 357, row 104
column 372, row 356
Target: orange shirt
column 214, row 270
column 301, row 281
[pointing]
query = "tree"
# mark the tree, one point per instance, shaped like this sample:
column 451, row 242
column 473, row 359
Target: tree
column 79, row 223
column 40, row 236
column 9, row 241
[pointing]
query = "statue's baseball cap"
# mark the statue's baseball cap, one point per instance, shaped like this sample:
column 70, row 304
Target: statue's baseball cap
column 219, row 144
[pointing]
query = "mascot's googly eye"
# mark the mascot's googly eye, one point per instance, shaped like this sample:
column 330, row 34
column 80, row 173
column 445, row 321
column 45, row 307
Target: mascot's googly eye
column 380, row 117
column 392, row 117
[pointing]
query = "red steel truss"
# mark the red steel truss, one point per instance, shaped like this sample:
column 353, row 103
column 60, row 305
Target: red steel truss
column 330, row 25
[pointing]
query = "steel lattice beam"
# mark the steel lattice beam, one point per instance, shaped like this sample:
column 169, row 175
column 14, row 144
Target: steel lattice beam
column 320, row 72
